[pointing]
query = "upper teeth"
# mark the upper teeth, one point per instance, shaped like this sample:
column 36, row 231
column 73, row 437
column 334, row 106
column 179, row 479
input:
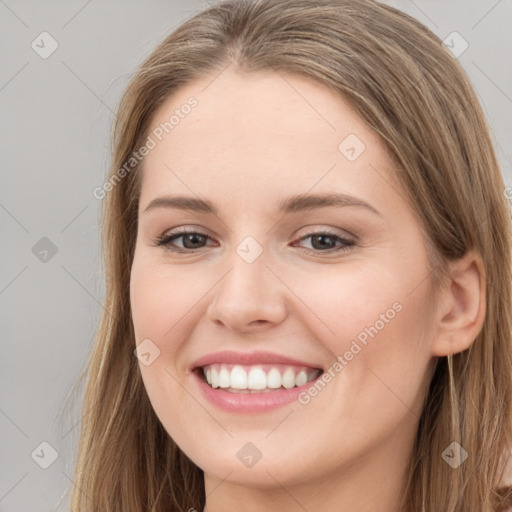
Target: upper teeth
column 257, row 377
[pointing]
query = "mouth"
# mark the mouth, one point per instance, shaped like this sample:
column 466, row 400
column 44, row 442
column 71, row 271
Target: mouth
column 250, row 383
column 256, row 379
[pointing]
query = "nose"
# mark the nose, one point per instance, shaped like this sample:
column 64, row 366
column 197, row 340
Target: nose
column 249, row 298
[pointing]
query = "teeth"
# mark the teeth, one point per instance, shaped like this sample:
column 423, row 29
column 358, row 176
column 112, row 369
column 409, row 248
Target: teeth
column 301, row 379
column 224, row 380
column 214, row 378
column 273, row 379
column 288, row 378
column 257, row 379
column 238, row 378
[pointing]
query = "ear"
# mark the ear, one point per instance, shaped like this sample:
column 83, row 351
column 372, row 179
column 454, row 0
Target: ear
column 461, row 309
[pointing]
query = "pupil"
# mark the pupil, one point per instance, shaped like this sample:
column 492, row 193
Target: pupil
column 194, row 238
column 323, row 238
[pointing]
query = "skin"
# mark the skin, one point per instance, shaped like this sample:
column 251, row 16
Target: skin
column 252, row 140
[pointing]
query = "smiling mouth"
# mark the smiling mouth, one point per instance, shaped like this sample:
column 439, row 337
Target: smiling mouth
column 261, row 378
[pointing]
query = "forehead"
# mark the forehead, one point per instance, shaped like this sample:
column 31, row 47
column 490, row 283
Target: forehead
column 250, row 136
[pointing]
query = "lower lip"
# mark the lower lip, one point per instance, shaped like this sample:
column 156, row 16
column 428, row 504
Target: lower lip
column 249, row 403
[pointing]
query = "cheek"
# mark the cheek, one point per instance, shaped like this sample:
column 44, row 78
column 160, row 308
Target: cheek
column 162, row 299
column 375, row 323
column 352, row 302
column 161, row 303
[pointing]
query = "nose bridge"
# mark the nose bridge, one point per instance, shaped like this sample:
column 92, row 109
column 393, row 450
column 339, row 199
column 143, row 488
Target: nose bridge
column 249, row 294
column 249, row 272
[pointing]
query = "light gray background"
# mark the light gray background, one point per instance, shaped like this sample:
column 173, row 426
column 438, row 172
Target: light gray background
column 55, row 117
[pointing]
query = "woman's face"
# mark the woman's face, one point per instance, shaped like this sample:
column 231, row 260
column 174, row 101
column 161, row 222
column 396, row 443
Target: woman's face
column 309, row 260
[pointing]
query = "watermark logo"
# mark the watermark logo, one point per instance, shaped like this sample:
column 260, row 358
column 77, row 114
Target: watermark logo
column 351, row 147
column 151, row 142
column 44, row 250
column 508, row 194
column 455, row 44
column 44, row 45
column 357, row 345
column 249, row 455
column 454, row 455
column 147, row 352
column 44, row 455
column 249, row 249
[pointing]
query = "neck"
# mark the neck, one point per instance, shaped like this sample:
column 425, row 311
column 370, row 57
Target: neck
column 374, row 483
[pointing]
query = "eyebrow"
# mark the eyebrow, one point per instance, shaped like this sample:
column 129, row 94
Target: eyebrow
column 291, row 204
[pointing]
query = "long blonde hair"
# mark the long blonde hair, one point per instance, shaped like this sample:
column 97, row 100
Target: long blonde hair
column 416, row 96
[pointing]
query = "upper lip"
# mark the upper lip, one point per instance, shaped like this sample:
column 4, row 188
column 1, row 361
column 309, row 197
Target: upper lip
column 248, row 358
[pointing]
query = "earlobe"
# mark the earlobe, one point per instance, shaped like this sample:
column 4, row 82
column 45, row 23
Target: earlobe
column 461, row 312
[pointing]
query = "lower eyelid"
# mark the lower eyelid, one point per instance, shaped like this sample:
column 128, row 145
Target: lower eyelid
column 165, row 242
column 345, row 243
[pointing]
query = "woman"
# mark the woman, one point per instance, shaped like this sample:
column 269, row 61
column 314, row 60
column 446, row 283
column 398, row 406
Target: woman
column 307, row 249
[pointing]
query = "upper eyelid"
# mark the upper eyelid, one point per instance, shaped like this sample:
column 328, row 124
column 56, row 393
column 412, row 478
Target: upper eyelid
column 176, row 235
column 343, row 233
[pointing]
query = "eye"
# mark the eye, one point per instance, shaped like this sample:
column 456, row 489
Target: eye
column 191, row 241
column 321, row 242
column 326, row 241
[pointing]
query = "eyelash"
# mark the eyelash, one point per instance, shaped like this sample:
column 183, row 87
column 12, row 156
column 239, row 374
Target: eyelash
column 165, row 241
